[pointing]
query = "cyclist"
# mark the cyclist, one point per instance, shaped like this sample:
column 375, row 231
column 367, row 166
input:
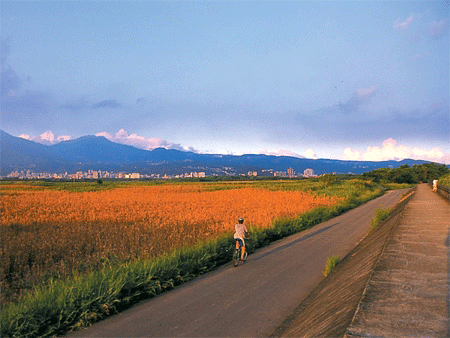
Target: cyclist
column 240, row 233
column 435, row 185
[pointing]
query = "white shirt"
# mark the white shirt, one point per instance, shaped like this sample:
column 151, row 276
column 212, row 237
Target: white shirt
column 240, row 230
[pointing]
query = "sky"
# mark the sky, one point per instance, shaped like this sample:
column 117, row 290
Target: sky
column 350, row 80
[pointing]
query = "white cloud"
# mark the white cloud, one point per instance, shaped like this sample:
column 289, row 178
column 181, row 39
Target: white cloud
column 310, row 154
column 351, row 155
column 122, row 136
column 141, row 142
column 223, row 151
column 281, row 152
column 25, row 136
column 403, row 25
column 390, row 150
column 47, row 137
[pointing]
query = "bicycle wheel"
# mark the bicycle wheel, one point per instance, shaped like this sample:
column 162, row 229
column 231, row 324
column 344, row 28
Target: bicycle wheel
column 236, row 257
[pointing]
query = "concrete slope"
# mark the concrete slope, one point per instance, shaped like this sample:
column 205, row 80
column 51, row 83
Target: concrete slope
column 408, row 292
column 395, row 283
column 253, row 299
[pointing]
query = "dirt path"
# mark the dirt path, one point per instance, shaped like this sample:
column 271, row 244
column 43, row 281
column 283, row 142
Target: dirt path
column 253, row 299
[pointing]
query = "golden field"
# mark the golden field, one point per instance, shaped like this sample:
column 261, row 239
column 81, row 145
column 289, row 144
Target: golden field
column 48, row 233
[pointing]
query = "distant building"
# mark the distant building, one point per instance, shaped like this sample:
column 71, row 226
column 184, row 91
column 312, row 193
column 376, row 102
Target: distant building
column 291, row 173
column 308, row 172
column 252, row 173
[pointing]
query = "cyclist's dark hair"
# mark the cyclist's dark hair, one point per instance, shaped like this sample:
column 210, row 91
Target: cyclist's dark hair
column 241, row 220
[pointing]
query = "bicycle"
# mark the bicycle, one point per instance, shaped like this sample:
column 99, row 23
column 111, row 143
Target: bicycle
column 237, row 254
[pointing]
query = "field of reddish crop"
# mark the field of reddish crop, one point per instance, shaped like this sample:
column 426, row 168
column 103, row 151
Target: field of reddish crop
column 50, row 234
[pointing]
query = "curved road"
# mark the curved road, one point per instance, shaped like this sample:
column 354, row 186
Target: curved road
column 253, row 299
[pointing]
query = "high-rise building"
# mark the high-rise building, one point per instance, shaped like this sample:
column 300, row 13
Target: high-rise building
column 291, row 172
column 308, row 172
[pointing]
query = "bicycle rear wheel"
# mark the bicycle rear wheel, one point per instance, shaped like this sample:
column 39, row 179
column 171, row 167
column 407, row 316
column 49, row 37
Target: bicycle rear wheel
column 237, row 257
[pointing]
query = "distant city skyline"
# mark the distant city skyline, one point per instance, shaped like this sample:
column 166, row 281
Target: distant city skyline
column 351, row 80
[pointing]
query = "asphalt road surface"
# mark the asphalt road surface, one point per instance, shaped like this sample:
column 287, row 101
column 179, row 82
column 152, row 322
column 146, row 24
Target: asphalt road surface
column 253, row 299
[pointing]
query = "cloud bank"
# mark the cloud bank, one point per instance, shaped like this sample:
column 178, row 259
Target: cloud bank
column 390, row 150
column 47, row 138
column 122, row 137
column 281, row 152
column 135, row 140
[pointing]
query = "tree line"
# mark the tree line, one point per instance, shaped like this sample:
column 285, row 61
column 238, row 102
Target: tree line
column 426, row 172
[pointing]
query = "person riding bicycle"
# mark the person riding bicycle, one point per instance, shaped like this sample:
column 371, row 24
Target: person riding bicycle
column 240, row 233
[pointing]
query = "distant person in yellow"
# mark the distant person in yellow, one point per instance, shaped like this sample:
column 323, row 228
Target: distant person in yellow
column 240, row 232
column 435, row 184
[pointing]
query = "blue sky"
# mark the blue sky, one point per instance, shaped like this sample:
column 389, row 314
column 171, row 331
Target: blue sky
column 342, row 79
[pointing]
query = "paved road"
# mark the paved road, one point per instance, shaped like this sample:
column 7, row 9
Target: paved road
column 253, row 299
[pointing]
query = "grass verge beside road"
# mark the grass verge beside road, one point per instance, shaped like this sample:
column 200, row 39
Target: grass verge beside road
column 331, row 264
column 380, row 215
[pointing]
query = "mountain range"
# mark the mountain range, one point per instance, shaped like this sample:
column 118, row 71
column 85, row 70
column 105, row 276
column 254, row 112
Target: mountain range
column 98, row 153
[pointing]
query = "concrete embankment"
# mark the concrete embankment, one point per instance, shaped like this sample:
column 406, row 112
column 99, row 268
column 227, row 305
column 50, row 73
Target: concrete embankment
column 395, row 283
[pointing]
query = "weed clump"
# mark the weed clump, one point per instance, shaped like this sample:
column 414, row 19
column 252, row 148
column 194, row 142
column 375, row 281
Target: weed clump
column 380, row 215
column 331, row 264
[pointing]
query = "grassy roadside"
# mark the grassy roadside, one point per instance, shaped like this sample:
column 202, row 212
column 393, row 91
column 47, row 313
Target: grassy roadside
column 331, row 264
column 379, row 216
column 65, row 305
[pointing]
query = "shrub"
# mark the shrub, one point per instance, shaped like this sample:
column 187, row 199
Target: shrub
column 445, row 180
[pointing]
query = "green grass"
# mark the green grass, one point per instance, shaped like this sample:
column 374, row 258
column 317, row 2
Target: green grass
column 331, row 264
column 56, row 308
column 61, row 306
column 444, row 180
column 379, row 216
column 397, row 186
column 339, row 188
column 74, row 186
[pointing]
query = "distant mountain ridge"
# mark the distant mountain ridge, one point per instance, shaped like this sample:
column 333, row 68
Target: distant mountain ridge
column 99, row 153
